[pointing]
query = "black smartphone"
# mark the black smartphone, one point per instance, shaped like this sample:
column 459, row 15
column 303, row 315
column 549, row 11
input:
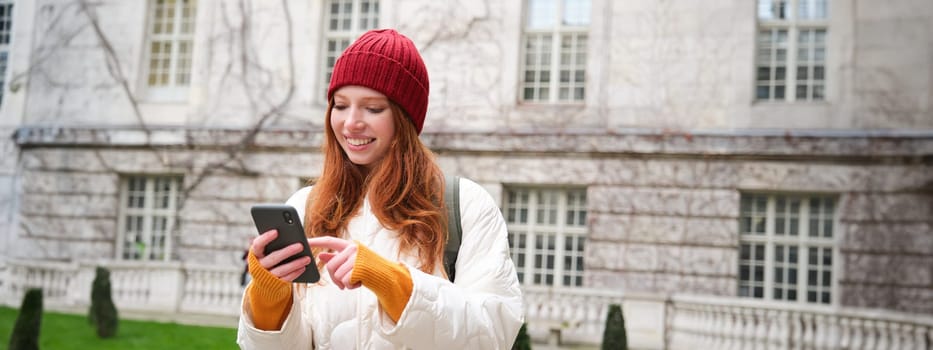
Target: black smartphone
column 284, row 218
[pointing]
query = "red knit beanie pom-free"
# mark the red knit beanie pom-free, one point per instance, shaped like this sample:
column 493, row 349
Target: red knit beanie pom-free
column 388, row 62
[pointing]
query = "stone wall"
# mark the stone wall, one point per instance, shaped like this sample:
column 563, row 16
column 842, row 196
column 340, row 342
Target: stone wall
column 69, row 207
column 663, row 209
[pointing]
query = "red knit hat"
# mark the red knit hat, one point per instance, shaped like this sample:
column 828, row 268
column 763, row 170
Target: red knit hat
column 388, row 62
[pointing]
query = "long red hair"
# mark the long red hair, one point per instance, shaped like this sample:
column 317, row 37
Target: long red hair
column 405, row 192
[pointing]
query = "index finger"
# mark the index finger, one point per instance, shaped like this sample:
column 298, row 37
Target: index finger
column 328, row 242
column 260, row 242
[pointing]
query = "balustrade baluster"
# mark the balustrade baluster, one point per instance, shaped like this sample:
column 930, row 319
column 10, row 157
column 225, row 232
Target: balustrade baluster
column 924, row 336
column 713, row 329
column 784, row 324
column 858, row 337
column 871, row 337
column 686, row 324
column 845, row 337
column 704, row 323
column 767, row 329
column 683, row 323
column 747, row 337
column 732, row 328
column 719, row 329
column 897, row 334
column 884, row 335
column 796, row 333
column 806, row 334
column 759, row 335
column 736, row 329
column 755, row 329
column 915, row 336
column 819, row 332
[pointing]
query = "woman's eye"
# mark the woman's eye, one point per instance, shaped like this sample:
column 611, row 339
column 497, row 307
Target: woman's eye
column 340, row 107
column 375, row 110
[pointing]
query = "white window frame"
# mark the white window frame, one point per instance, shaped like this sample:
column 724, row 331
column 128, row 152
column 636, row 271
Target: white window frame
column 6, row 35
column 793, row 25
column 802, row 241
column 562, row 230
column 358, row 22
column 179, row 71
column 576, row 57
column 147, row 216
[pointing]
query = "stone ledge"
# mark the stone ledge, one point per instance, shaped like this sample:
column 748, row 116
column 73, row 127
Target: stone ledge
column 772, row 144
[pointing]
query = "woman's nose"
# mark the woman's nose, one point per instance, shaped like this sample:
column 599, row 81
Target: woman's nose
column 355, row 118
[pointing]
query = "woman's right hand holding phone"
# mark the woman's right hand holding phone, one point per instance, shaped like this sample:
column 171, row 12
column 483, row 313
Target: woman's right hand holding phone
column 270, row 291
column 270, row 262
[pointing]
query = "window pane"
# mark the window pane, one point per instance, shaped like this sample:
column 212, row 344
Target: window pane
column 811, row 9
column 801, row 92
column 558, row 246
column 764, row 73
column 555, row 29
column 772, row 9
column 576, row 13
column 541, row 14
column 172, row 26
column 148, row 216
column 345, row 21
column 762, row 93
column 780, row 254
column 818, row 92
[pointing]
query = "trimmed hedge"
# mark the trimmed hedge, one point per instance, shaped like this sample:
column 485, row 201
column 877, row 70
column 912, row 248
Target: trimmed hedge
column 26, row 331
column 614, row 336
column 103, row 313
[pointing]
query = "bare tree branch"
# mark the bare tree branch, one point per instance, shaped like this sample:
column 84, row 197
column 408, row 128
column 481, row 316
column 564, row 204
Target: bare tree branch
column 113, row 64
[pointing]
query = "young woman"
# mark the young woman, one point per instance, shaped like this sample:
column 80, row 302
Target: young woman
column 377, row 224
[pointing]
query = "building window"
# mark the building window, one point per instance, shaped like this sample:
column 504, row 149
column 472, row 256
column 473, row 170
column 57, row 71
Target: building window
column 148, row 217
column 344, row 21
column 547, row 233
column 554, row 45
column 171, row 38
column 6, row 26
column 791, row 58
column 787, row 247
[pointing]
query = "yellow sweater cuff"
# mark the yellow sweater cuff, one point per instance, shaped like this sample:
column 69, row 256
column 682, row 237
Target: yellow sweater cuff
column 269, row 297
column 391, row 282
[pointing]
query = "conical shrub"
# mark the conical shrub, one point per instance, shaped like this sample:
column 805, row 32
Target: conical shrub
column 103, row 313
column 522, row 341
column 614, row 335
column 26, row 331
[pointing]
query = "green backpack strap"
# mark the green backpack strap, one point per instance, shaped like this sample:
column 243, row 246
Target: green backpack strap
column 454, row 231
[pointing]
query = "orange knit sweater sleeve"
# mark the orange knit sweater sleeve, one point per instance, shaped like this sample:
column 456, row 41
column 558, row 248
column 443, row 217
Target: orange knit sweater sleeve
column 391, row 282
column 269, row 297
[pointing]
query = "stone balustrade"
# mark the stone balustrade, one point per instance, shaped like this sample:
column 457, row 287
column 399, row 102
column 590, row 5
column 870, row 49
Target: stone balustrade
column 554, row 314
column 567, row 315
column 729, row 323
column 151, row 287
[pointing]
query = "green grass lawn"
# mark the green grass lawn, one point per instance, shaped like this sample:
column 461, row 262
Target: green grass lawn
column 66, row 331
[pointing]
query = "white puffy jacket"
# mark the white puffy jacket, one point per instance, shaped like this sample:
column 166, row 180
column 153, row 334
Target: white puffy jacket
column 482, row 309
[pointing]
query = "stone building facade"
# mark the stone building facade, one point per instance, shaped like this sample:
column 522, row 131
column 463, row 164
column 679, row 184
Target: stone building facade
column 685, row 156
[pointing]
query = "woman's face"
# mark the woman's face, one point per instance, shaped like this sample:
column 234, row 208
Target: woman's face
column 363, row 124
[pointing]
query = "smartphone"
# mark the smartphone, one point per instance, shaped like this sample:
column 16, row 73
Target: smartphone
column 284, row 218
